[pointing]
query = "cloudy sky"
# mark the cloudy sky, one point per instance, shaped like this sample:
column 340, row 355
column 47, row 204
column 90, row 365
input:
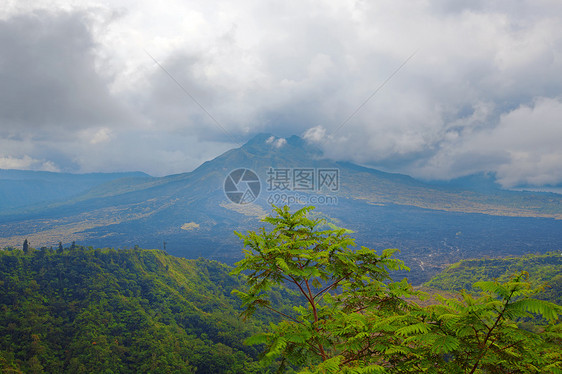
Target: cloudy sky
column 436, row 89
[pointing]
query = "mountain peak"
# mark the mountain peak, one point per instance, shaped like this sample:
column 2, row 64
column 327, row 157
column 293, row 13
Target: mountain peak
column 268, row 144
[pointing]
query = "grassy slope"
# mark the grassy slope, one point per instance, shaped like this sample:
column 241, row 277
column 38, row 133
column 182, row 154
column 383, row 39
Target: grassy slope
column 543, row 269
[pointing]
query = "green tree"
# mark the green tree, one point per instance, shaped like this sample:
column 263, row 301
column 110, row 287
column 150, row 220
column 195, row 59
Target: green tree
column 25, row 246
column 343, row 291
column 481, row 334
column 354, row 318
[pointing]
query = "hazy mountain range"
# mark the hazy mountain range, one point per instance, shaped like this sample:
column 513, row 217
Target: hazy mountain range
column 190, row 215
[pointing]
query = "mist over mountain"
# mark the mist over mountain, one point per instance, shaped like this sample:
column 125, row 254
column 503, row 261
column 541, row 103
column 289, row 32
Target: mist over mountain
column 190, row 215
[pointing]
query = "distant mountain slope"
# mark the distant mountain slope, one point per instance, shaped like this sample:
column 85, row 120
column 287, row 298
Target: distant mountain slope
column 128, row 311
column 377, row 187
column 432, row 225
column 23, row 188
column 480, row 182
column 545, row 268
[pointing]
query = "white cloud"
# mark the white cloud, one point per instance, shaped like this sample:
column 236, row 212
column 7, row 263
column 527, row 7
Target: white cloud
column 276, row 142
column 523, row 149
column 315, row 134
column 483, row 70
column 102, row 135
column 26, row 163
column 533, row 137
column 280, row 142
column 16, row 163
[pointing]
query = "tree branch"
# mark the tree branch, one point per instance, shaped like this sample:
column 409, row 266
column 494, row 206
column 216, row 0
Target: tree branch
column 489, row 334
column 283, row 314
column 331, row 285
column 300, row 288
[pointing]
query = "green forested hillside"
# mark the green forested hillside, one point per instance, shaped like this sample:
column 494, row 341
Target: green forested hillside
column 85, row 310
column 128, row 311
column 546, row 268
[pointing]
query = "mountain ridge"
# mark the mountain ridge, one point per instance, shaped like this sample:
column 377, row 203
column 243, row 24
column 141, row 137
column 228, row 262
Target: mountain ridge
column 192, row 214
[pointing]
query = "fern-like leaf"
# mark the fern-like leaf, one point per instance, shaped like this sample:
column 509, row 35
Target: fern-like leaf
column 419, row 328
column 548, row 310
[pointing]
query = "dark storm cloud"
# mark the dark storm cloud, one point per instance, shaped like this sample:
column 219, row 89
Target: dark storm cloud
column 49, row 78
column 181, row 98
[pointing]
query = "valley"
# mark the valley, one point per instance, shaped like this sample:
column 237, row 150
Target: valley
column 432, row 224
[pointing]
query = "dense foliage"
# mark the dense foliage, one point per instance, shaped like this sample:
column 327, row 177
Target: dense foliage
column 542, row 268
column 353, row 318
column 80, row 310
